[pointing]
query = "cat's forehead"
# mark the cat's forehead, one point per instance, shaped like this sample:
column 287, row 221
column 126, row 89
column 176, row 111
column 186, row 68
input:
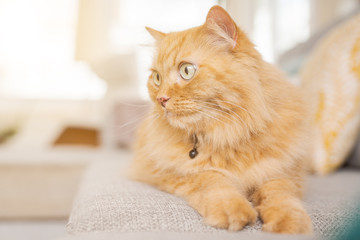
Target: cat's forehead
column 175, row 48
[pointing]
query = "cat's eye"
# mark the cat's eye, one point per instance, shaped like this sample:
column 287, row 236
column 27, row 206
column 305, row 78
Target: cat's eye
column 187, row 71
column 156, row 78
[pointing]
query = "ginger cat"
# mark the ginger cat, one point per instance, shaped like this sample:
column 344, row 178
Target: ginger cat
column 227, row 132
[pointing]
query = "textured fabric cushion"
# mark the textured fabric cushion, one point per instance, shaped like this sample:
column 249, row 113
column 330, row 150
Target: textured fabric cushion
column 182, row 236
column 108, row 202
column 331, row 78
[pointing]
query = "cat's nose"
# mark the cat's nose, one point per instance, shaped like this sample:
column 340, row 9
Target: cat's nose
column 163, row 100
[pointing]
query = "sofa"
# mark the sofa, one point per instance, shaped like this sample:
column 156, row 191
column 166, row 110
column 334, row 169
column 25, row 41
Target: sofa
column 110, row 206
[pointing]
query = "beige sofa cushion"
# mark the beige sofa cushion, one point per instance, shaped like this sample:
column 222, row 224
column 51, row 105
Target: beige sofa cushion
column 108, row 202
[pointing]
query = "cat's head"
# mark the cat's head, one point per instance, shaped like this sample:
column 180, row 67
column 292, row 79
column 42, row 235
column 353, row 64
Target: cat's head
column 206, row 75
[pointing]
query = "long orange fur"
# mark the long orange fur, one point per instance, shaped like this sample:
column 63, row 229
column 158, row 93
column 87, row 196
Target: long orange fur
column 251, row 124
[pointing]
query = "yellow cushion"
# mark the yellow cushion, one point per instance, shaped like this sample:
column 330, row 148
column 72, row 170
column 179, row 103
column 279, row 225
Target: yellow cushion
column 331, row 80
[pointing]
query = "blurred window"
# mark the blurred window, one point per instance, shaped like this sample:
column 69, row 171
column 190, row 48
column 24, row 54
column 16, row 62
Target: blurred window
column 37, row 41
column 279, row 25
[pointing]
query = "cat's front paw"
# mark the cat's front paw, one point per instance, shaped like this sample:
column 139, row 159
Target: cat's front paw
column 286, row 220
column 232, row 213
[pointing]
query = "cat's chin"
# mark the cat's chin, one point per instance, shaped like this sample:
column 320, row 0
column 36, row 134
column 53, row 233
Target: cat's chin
column 183, row 121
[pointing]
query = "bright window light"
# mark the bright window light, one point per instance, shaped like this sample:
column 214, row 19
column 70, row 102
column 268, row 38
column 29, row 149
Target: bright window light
column 37, row 41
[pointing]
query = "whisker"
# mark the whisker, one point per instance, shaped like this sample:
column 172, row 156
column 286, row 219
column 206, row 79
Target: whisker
column 134, row 127
column 230, row 118
column 128, row 131
column 228, row 109
column 236, row 105
column 134, row 121
column 206, row 114
column 221, row 111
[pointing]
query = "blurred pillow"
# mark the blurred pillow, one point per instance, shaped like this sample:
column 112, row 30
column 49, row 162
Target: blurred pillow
column 331, row 78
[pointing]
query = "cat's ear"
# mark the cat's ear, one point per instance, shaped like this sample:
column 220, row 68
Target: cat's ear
column 218, row 21
column 156, row 34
